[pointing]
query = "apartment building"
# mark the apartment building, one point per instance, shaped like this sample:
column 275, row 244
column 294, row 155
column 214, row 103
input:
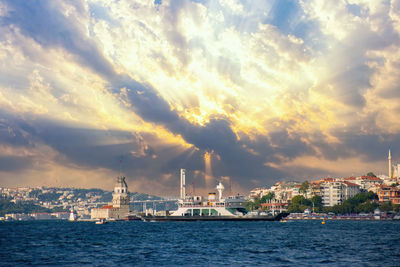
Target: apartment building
column 334, row 192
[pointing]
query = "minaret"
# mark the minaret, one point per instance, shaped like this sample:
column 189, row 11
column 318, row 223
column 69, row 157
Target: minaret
column 390, row 165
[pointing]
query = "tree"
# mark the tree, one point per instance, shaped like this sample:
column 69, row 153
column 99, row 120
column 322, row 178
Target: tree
column 263, row 199
column 367, row 207
column 268, row 197
column 304, row 187
column 299, row 204
column 254, row 204
column 371, row 195
column 317, row 200
column 387, row 206
column 371, row 174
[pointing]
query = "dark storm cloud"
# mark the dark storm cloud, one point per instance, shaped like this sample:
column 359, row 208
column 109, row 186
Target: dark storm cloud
column 90, row 147
column 239, row 158
column 76, row 143
column 370, row 147
column 290, row 146
column 11, row 135
column 235, row 160
column 14, row 163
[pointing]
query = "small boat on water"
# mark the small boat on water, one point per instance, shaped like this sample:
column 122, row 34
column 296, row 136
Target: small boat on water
column 101, row 221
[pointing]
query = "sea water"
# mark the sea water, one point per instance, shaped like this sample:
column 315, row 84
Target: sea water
column 336, row 243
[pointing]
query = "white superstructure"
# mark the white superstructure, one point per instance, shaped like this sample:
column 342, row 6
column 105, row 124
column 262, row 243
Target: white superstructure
column 183, row 184
column 210, row 206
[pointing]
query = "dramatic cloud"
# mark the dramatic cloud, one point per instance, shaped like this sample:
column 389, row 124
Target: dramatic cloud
column 247, row 91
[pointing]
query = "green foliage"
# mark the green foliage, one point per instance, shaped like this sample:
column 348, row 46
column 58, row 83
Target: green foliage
column 253, row 205
column 372, row 196
column 304, row 187
column 9, row 207
column 362, row 202
column 299, row 204
column 366, row 207
column 387, row 206
column 48, row 197
column 396, row 208
column 35, row 193
column 317, row 200
column 371, row 174
column 267, row 197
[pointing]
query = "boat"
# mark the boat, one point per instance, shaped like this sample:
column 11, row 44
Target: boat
column 101, row 221
column 213, row 208
column 132, row 218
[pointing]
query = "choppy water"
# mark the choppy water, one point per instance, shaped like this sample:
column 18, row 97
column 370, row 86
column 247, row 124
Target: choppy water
column 337, row 243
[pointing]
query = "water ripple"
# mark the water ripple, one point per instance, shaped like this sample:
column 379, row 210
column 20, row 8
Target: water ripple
column 338, row 243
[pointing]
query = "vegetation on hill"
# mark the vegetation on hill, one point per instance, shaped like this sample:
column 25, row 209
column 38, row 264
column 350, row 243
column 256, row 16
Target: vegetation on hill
column 6, row 206
column 365, row 202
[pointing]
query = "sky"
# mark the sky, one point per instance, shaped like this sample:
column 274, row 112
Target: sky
column 247, row 92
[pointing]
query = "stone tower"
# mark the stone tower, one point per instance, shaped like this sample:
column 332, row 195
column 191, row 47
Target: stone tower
column 120, row 194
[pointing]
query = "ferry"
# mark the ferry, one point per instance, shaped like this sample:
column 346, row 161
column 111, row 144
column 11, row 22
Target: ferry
column 213, row 208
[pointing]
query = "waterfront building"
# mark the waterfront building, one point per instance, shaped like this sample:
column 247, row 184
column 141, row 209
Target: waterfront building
column 389, row 194
column 335, row 192
column 275, row 206
column 119, row 207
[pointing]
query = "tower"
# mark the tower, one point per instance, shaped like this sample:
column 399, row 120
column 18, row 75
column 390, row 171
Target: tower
column 183, row 184
column 120, row 194
column 390, row 165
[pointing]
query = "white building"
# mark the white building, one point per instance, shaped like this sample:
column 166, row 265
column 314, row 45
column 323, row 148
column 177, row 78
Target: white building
column 365, row 182
column 119, row 207
column 394, row 169
column 335, row 192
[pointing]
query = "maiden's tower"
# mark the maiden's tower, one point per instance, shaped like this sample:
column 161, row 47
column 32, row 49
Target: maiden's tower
column 119, row 207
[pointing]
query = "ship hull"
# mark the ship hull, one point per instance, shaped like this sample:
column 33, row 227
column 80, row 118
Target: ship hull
column 210, row 218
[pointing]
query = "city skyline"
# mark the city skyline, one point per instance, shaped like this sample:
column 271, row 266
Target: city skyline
column 250, row 92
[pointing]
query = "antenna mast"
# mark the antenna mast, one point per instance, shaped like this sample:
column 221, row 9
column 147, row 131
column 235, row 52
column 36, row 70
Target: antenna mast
column 230, row 186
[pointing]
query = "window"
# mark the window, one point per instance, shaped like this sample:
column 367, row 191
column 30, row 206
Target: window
column 213, row 212
column 205, row 212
